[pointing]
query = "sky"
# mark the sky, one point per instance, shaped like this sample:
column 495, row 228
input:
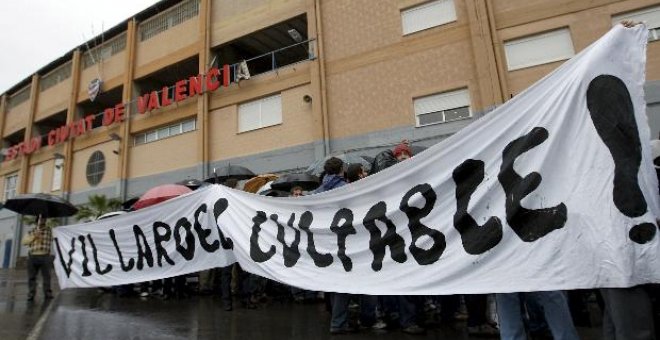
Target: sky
column 36, row 32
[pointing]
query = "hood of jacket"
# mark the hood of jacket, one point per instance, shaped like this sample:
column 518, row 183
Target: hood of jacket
column 330, row 182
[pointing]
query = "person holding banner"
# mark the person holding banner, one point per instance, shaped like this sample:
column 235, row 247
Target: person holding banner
column 555, row 309
column 334, row 175
column 301, row 295
column 39, row 241
column 355, row 172
column 402, row 151
column 628, row 311
column 334, row 178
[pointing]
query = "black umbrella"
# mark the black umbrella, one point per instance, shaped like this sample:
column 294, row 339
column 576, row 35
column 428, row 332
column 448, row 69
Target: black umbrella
column 231, row 171
column 193, row 184
column 41, row 204
column 128, row 204
column 275, row 193
column 286, row 182
column 367, row 158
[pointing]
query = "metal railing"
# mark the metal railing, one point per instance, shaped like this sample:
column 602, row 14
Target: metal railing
column 55, row 77
column 269, row 62
column 19, row 97
column 104, row 51
column 168, row 19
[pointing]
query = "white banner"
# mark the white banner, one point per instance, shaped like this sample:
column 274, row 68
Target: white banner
column 553, row 190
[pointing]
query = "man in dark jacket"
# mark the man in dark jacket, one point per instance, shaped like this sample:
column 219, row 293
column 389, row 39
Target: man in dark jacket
column 334, row 175
column 334, row 178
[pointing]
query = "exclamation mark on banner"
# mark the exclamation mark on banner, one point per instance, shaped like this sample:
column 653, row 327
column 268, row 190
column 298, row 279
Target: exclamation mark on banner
column 613, row 116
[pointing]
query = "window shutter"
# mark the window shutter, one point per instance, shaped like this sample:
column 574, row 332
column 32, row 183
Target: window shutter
column 539, row 49
column 249, row 116
column 431, row 14
column 37, row 175
column 271, row 111
column 435, row 108
column 442, row 101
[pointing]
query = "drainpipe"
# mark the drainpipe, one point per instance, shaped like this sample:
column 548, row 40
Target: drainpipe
column 324, row 97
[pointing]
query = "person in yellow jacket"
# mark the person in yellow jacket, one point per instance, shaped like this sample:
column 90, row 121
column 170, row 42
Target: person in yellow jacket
column 39, row 241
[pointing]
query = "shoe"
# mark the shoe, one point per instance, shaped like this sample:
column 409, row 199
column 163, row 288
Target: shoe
column 460, row 316
column 144, row 294
column 30, row 298
column 228, row 308
column 248, row 304
column 414, row 329
column 345, row 330
column 379, row 325
column 48, row 296
column 483, row 330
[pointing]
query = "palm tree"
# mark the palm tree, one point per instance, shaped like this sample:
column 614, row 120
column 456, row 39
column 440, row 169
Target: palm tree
column 97, row 205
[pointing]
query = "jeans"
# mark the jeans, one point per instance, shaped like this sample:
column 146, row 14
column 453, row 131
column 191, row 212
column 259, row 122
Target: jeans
column 555, row 309
column 36, row 264
column 628, row 314
column 225, row 285
column 301, row 294
column 477, row 306
column 340, row 303
column 535, row 321
column 449, row 306
column 410, row 309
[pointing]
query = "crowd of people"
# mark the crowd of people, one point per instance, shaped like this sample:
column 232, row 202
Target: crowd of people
column 627, row 313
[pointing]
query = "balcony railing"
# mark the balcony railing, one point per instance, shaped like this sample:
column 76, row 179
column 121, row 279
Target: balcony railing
column 105, row 51
column 168, row 19
column 19, row 97
column 55, row 77
column 273, row 60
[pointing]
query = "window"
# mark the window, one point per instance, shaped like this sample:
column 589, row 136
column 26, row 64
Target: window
column 11, row 181
column 164, row 132
column 260, row 113
column 57, row 174
column 649, row 16
column 152, row 136
column 188, row 125
column 95, row 168
column 442, row 107
column 37, row 175
column 539, row 49
column 427, row 15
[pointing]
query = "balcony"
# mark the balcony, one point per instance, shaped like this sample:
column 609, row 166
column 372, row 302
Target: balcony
column 107, row 62
column 172, row 34
column 267, row 50
column 104, row 100
column 18, row 107
column 164, row 78
column 54, row 91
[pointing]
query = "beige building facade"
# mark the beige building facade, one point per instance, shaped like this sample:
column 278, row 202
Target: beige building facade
column 326, row 77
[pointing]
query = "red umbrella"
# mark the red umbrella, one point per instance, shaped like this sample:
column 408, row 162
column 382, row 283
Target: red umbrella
column 159, row 194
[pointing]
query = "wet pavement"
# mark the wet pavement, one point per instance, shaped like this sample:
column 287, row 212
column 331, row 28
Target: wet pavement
column 92, row 314
column 17, row 316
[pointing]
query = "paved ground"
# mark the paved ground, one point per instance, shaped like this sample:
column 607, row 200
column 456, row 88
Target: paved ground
column 17, row 316
column 91, row 314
